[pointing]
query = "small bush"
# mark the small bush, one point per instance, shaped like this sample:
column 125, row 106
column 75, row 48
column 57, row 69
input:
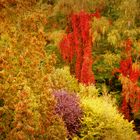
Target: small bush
column 88, row 91
column 62, row 79
column 69, row 109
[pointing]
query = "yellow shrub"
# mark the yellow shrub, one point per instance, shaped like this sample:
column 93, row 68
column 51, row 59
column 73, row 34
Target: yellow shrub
column 62, row 79
column 87, row 91
column 102, row 121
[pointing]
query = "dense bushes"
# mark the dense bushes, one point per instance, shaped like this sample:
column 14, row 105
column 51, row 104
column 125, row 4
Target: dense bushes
column 28, row 111
column 42, row 100
column 102, row 121
column 28, row 108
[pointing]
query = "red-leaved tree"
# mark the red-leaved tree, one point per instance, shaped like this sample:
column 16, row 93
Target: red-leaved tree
column 78, row 44
column 129, row 76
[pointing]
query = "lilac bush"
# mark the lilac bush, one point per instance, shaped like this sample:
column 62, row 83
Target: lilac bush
column 68, row 107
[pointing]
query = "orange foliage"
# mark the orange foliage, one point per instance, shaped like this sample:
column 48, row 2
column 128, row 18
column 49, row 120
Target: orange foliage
column 130, row 73
column 29, row 108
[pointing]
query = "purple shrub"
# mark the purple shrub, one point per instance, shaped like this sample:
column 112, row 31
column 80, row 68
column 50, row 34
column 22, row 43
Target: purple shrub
column 69, row 109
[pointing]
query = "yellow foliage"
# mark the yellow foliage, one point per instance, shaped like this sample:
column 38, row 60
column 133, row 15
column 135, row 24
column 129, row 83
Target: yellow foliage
column 62, row 79
column 114, row 37
column 100, row 25
column 129, row 9
column 102, row 121
column 55, row 36
column 110, row 59
column 88, row 91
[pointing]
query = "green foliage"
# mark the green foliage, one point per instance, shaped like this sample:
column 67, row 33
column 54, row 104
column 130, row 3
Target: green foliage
column 102, row 121
column 111, row 9
column 118, row 23
column 104, row 66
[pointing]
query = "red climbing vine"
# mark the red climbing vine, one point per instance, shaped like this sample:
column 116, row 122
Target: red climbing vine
column 78, row 43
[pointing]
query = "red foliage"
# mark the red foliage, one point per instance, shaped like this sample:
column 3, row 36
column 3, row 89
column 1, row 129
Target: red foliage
column 136, row 107
column 130, row 89
column 78, row 43
column 67, row 48
column 125, row 109
column 126, row 66
column 96, row 14
column 87, row 75
column 134, row 75
column 128, row 45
